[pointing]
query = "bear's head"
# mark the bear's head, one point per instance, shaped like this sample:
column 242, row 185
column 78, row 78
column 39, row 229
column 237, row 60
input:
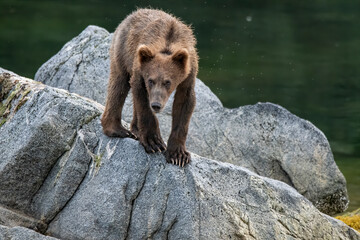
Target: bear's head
column 162, row 72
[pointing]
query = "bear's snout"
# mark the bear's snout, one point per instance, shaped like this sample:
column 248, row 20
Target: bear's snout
column 156, row 107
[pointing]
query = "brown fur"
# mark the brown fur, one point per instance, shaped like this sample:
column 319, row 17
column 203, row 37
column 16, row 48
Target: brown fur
column 153, row 53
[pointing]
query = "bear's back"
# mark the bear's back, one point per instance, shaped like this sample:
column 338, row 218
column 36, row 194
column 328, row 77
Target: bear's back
column 154, row 28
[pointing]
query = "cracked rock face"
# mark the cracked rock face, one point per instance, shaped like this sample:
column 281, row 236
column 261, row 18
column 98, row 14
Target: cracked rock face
column 89, row 186
column 264, row 137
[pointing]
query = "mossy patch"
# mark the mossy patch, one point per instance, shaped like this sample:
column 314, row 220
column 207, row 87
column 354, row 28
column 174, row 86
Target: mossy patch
column 90, row 118
column 2, row 121
column 10, row 91
column 6, row 102
column 6, row 85
column 23, row 99
column 13, row 93
column 2, row 109
column 97, row 160
column 352, row 219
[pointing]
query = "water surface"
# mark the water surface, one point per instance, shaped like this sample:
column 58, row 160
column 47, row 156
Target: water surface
column 303, row 55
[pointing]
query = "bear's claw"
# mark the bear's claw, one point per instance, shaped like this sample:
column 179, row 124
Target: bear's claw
column 122, row 133
column 153, row 144
column 179, row 156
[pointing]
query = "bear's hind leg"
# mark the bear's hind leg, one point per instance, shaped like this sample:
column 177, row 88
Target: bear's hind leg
column 134, row 123
column 118, row 89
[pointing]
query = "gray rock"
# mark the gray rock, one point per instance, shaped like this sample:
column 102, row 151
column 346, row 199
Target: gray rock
column 264, row 137
column 128, row 194
column 71, row 70
column 38, row 171
column 21, row 233
column 12, row 218
column 62, row 181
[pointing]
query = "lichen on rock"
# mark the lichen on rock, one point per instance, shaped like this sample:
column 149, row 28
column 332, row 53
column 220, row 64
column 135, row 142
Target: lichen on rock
column 13, row 94
column 352, row 219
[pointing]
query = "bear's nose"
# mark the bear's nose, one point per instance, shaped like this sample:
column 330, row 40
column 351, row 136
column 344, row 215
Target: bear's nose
column 156, row 106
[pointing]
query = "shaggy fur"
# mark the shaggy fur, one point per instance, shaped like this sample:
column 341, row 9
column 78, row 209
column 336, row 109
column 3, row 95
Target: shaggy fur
column 153, row 53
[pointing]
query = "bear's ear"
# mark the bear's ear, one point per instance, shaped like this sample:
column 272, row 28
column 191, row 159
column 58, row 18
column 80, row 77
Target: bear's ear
column 145, row 54
column 181, row 57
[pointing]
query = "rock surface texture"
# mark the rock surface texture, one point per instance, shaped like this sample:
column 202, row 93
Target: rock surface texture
column 265, row 138
column 21, row 233
column 58, row 168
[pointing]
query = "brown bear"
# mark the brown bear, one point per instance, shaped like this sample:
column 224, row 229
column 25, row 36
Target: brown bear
column 153, row 53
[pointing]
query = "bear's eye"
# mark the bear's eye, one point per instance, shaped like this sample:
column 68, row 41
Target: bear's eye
column 151, row 82
column 167, row 84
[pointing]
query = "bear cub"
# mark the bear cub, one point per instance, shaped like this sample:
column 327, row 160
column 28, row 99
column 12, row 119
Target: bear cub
column 153, row 53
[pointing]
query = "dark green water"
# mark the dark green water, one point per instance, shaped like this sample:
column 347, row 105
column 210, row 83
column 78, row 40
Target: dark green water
column 303, row 55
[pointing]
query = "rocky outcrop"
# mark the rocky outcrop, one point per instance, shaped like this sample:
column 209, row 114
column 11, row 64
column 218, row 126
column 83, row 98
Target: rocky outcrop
column 58, row 168
column 264, row 137
column 71, row 70
column 21, row 233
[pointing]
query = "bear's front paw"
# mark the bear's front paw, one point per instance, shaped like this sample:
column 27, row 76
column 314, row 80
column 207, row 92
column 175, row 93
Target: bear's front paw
column 177, row 156
column 153, row 143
